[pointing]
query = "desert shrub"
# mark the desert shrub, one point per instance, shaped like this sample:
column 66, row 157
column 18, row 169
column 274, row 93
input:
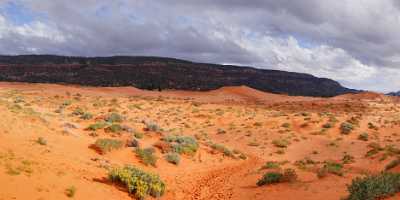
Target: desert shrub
column 374, row 149
column 138, row 182
column 347, row 159
column 346, row 128
column 132, row 143
column 270, row 178
column 327, row 125
column 285, row 125
column 223, row 149
column 392, row 164
column 96, row 126
column 147, row 156
column 330, row 168
column 78, row 111
column 86, row 116
column 152, row 126
column 289, row 175
column 105, row 145
column 372, row 126
column 67, row 103
column 70, row 192
column 182, row 144
column 363, row 136
column 374, row 187
column 138, row 135
column 114, row 118
column 173, row 158
column 281, row 143
column 41, row 141
column 114, row 128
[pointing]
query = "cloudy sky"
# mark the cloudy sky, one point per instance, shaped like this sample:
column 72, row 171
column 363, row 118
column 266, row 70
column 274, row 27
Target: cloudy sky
column 356, row 42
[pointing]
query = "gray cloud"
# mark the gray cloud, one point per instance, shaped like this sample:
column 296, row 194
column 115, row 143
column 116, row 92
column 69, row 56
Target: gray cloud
column 355, row 42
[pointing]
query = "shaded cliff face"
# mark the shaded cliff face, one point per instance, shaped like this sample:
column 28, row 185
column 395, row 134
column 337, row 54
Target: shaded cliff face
column 160, row 73
column 394, row 94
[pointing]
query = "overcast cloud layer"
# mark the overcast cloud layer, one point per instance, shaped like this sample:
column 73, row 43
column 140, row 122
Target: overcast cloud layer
column 356, row 42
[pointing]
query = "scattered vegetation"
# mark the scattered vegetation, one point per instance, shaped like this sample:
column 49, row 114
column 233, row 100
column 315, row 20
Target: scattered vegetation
column 374, row 187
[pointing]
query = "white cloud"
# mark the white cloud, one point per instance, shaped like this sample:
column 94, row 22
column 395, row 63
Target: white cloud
column 321, row 60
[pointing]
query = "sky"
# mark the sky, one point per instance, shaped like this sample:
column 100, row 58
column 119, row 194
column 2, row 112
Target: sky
column 355, row 42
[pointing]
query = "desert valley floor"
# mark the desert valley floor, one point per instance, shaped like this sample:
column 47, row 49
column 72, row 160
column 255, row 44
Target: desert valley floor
column 49, row 133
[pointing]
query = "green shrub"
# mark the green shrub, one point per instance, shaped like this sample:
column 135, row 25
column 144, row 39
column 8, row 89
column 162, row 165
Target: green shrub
column 328, row 125
column 221, row 148
column 114, row 118
column 288, row 175
column 97, row 125
column 270, row 178
column 152, row 126
column 138, row 135
column 70, row 192
column 78, row 111
column 285, row 125
column 374, row 187
column 41, row 141
column 147, row 156
column 114, row 128
column 392, row 164
column 347, row 159
column 106, row 145
column 173, row 158
column 346, row 128
column 332, row 168
column 182, row 144
column 86, row 116
column 281, row 143
column 138, row 182
column 363, row 137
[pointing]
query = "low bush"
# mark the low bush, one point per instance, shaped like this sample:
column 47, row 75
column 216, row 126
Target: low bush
column 363, row 137
column 114, row 118
column 96, row 126
column 270, row 178
column 392, row 164
column 138, row 182
column 114, row 128
column 41, row 141
column 346, row 128
column 86, row 116
column 182, row 144
column 330, row 168
column 147, row 156
column 70, row 192
column 106, row 145
column 173, row 158
column 152, row 126
column 221, row 148
column 281, row 143
column 374, row 187
column 289, row 175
